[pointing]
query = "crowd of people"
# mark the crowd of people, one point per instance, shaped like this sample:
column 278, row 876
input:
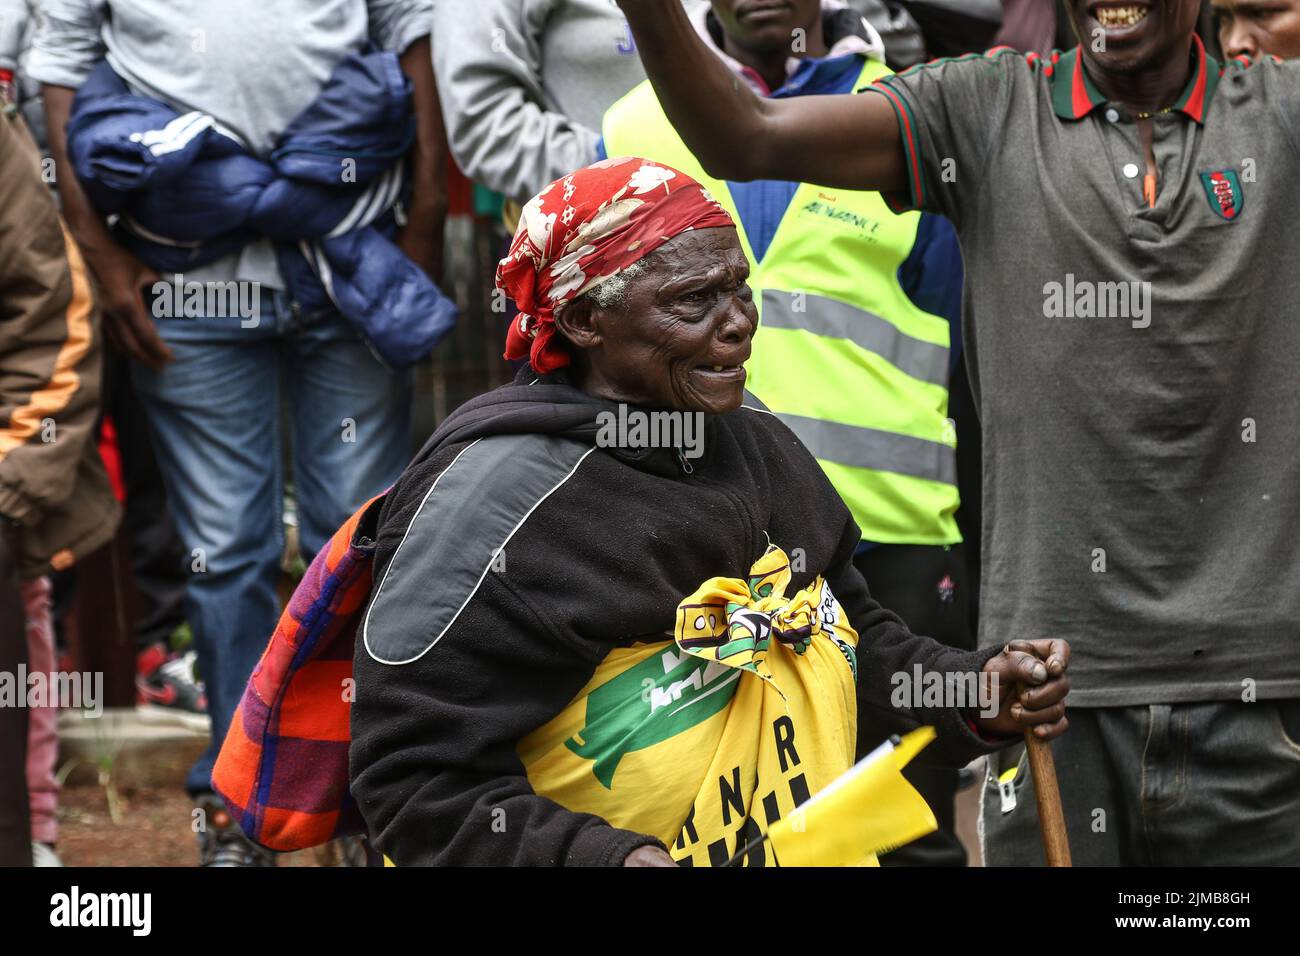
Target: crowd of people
column 986, row 347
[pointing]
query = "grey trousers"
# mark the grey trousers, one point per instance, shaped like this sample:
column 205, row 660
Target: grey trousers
column 1208, row 784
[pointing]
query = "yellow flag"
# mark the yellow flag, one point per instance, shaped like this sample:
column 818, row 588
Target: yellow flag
column 868, row 809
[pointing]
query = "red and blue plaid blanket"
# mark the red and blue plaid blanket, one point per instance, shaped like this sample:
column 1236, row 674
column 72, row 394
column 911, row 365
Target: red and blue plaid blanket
column 283, row 768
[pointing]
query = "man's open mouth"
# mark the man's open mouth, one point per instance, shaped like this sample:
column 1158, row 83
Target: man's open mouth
column 1119, row 16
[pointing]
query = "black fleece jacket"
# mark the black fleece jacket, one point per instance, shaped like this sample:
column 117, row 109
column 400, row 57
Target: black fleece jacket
column 600, row 563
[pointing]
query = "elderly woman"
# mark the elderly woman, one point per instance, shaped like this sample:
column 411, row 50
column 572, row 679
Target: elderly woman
column 585, row 651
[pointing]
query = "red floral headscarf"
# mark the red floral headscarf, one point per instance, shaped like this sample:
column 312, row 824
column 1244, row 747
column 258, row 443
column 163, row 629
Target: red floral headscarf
column 585, row 228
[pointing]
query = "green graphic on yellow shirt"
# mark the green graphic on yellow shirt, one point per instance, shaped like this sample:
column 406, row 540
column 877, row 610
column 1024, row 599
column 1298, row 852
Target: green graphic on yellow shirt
column 648, row 703
column 708, row 739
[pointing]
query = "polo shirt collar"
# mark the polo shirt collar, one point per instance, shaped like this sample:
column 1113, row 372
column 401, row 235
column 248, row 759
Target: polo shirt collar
column 1074, row 95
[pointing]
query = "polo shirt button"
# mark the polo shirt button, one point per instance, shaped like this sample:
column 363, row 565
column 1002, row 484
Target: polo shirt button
column 1112, row 115
column 1130, row 170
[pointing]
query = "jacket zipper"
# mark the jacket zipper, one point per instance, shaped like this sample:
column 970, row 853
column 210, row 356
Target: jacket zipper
column 686, row 466
column 740, row 505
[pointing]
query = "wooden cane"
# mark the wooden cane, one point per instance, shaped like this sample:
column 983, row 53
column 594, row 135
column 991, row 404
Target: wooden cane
column 1051, row 819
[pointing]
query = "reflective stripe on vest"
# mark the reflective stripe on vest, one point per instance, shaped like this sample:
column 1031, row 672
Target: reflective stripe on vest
column 832, row 312
column 871, row 448
column 839, row 320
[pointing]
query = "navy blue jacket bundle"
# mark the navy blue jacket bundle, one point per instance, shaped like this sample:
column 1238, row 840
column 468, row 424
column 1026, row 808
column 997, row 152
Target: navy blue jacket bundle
column 187, row 193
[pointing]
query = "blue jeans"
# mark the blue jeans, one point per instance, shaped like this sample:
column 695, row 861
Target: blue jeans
column 214, row 414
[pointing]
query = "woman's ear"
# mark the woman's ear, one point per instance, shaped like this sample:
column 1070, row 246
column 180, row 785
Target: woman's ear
column 577, row 323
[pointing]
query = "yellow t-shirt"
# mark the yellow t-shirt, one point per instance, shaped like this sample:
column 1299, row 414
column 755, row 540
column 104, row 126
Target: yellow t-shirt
column 707, row 739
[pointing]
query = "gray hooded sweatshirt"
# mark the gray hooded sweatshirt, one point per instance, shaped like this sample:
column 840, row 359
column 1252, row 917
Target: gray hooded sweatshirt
column 524, row 85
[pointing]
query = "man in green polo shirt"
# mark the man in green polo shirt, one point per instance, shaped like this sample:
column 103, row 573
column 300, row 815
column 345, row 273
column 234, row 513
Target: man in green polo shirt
column 1125, row 211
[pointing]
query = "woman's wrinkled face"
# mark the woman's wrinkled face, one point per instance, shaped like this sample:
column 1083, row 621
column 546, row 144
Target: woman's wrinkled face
column 682, row 333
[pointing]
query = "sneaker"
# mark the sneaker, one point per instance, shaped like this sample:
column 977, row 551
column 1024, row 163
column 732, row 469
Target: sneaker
column 345, row 851
column 43, row 855
column 222, row 843
column 167, row 691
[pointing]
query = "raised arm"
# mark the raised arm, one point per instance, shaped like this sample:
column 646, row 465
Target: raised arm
column 850, row 142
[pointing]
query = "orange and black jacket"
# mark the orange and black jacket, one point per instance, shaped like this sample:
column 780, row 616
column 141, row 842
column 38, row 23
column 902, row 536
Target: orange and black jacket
column 52, row 482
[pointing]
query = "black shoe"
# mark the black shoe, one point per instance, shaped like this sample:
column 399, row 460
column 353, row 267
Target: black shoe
column 346, row 851
column 222, row 843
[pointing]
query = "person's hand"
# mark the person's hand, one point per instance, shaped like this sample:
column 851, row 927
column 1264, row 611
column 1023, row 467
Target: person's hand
column 1031, row 688
column 128, row 325
column 649, row 856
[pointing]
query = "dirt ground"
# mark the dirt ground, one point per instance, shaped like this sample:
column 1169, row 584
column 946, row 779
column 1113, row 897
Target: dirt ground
column 154, row 829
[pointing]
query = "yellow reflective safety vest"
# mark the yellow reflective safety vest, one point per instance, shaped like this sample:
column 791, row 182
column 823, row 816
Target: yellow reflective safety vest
column 842, row 355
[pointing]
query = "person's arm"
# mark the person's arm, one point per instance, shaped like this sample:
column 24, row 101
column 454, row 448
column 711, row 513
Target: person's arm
column 49, row 341
column 434, row 766
column 120, row 276
column 887, row 648
column 850, row 142
column 403, row 27
column 487, row 57
column 426, row 215
column 65, row 48
column 435, row 771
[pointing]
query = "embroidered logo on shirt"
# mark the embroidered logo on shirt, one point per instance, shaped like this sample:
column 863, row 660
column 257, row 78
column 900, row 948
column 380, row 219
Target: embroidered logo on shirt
column 946, row 588
column 1223, row 190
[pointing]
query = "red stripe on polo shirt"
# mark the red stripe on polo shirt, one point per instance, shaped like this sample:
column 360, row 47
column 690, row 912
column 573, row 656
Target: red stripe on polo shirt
column 1195, row 105
column 909, row 141
column 1079, row 100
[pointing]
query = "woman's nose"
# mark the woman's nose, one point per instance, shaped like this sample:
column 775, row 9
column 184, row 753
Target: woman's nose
column 740, row 321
